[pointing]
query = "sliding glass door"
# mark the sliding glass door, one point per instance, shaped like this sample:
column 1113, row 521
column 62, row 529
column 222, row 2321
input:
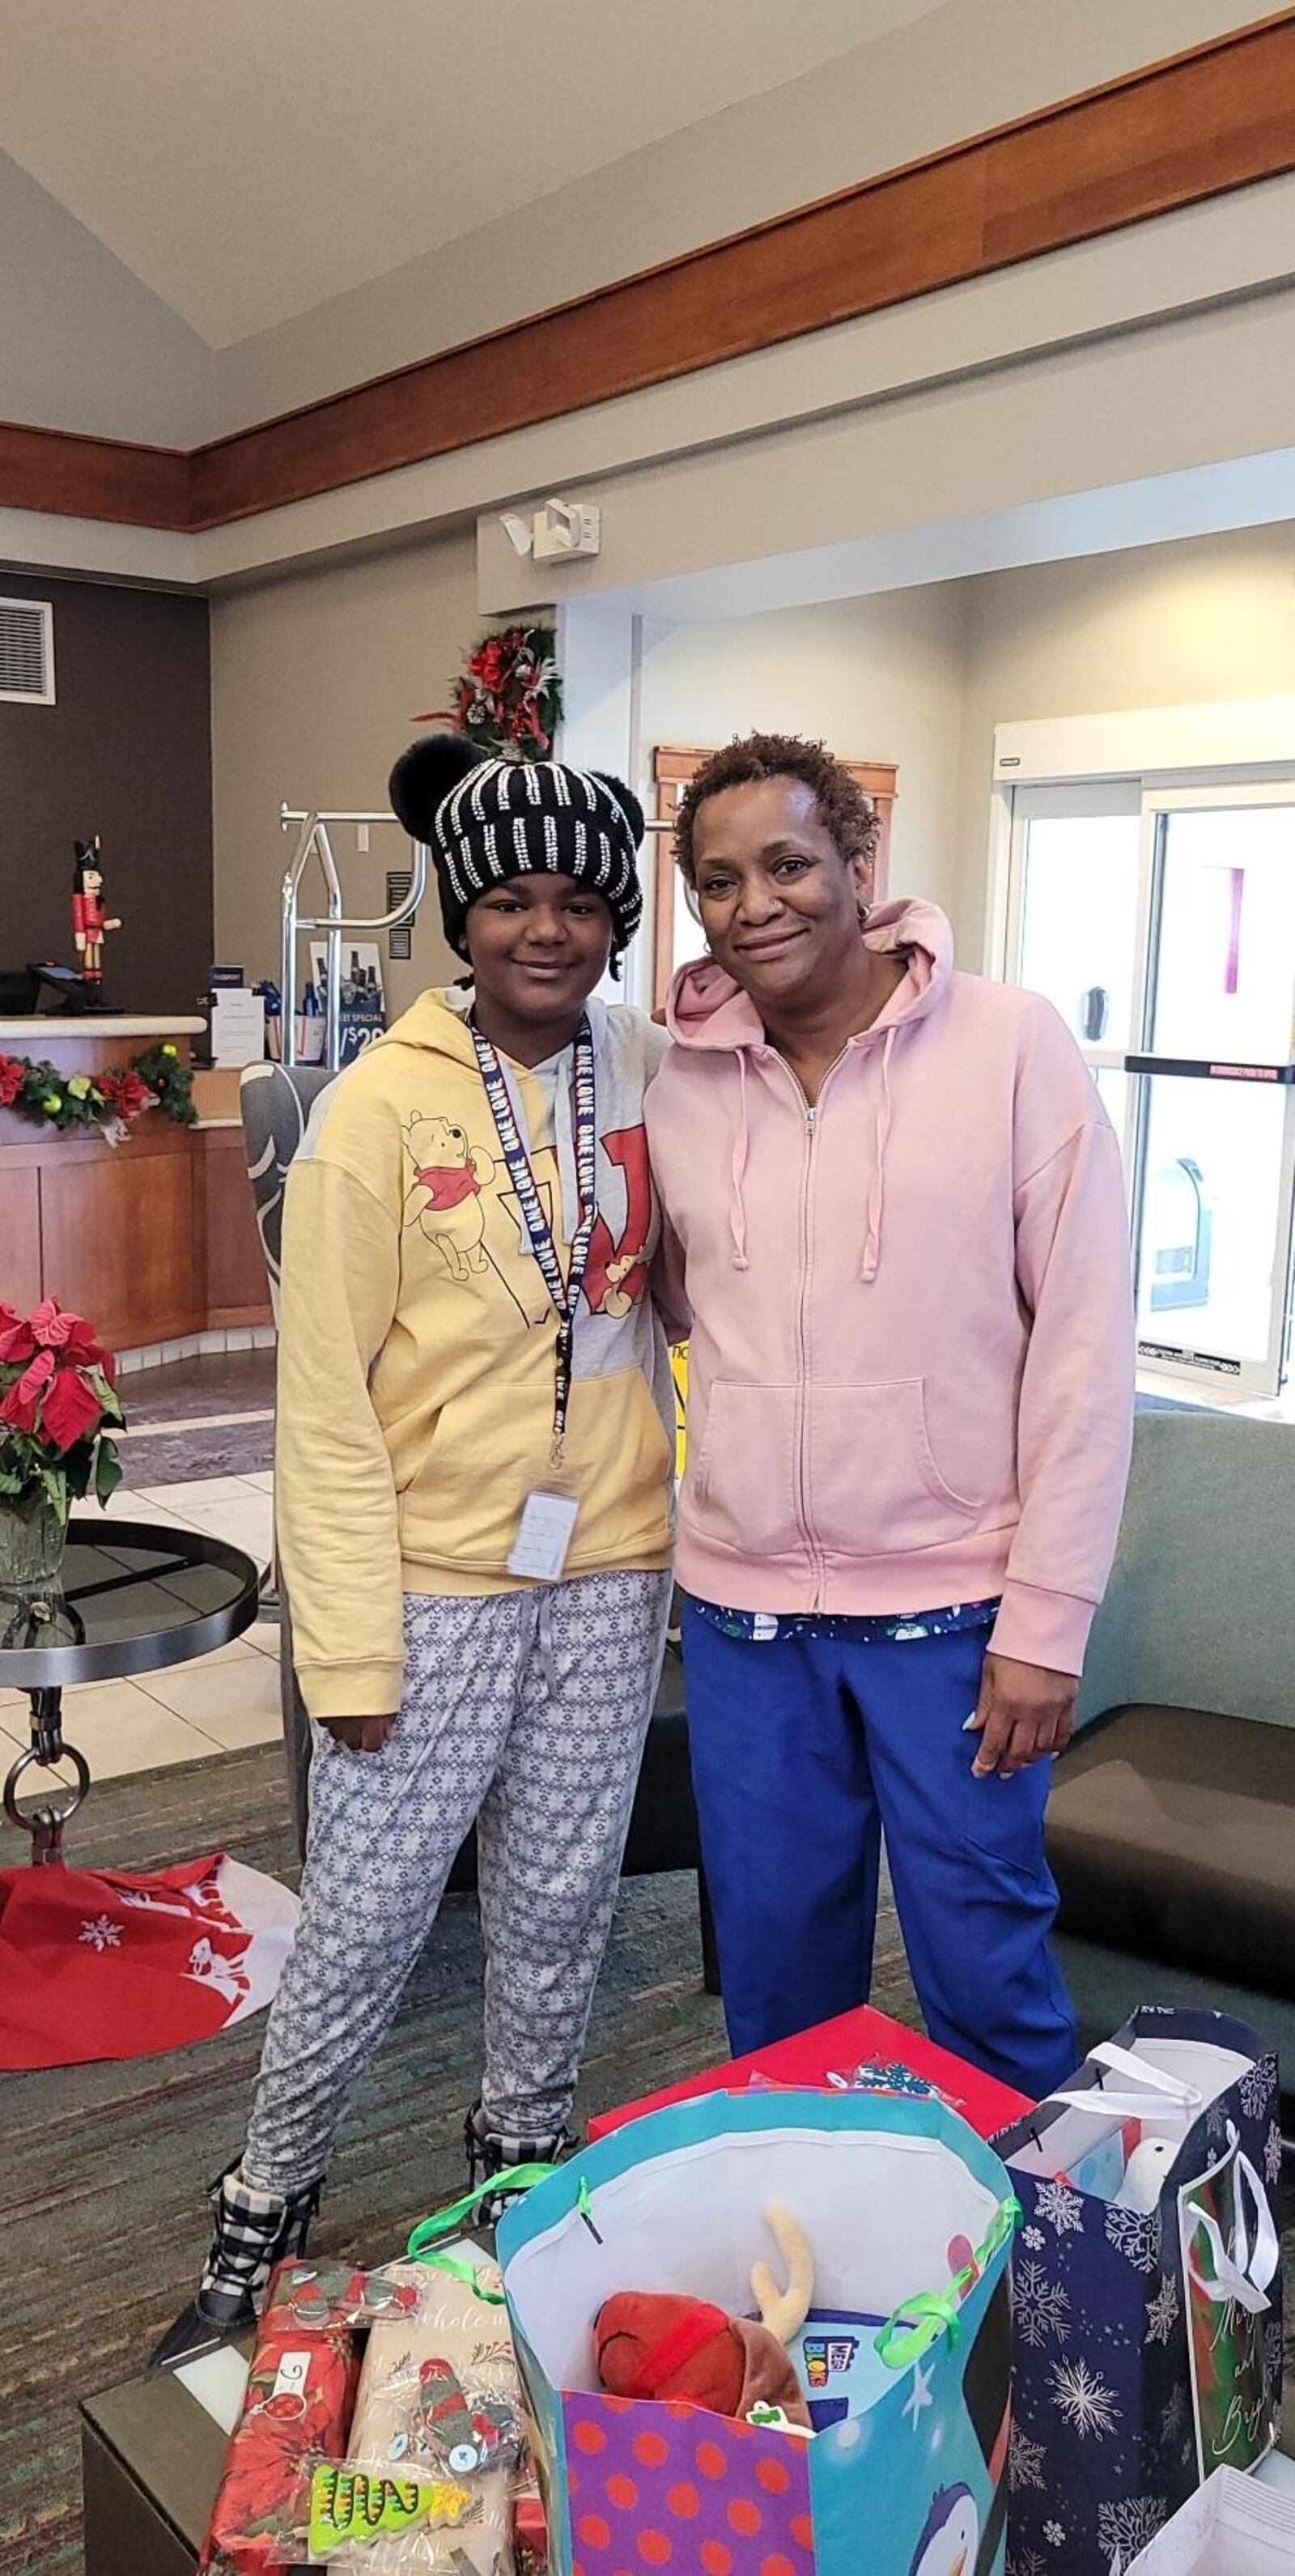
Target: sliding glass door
column 1162, row 926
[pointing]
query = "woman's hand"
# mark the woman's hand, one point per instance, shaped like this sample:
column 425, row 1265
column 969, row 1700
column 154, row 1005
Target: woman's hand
column 1024, row 1714
column 359, row 1734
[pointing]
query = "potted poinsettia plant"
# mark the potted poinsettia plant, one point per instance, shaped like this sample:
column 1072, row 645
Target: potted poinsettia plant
column 58, row 1412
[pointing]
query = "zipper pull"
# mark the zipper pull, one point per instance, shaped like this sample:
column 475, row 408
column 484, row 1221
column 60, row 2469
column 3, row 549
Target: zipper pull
column 811, row 1116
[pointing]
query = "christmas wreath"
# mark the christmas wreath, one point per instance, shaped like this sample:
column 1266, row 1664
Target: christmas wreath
column 509, row 698
column 108, row 1101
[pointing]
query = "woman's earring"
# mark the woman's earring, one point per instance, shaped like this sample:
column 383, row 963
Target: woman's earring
column 864, row 911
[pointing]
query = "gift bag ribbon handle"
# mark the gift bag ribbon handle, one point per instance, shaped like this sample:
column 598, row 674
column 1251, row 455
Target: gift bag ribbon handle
column 425, row 2246
column 1102, row 2102
column 917, row 2323
column 1244, row 2269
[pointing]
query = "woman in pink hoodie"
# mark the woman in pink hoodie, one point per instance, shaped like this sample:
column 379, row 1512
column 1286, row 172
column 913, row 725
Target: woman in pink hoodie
column 899, row 1226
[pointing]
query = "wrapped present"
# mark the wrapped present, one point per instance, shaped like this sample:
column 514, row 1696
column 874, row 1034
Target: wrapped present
column 439, row 2400
column 908, row 2215
column 296, row 2415
column 1146, row 2286
column 859, row 2050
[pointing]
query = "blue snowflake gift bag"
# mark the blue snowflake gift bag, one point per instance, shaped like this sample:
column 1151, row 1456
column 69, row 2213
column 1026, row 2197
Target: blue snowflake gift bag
column 1146, row 2288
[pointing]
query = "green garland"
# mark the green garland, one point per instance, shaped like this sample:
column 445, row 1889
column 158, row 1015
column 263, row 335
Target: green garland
column 157, row 1078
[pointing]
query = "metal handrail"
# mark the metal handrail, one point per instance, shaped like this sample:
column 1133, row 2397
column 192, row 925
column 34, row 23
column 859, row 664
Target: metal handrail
column 312, row 828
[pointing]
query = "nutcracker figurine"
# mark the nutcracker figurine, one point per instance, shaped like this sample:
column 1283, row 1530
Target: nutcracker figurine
column 89, row 919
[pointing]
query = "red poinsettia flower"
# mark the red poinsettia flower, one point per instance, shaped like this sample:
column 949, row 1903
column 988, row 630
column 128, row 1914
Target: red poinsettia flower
column 72, row 1408
column 22, row 1403
column 17, row 1340
column 57, row 1328
column 10, row 1080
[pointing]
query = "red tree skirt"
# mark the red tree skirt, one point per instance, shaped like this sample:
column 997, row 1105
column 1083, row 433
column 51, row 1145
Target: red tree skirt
column 97, row 1965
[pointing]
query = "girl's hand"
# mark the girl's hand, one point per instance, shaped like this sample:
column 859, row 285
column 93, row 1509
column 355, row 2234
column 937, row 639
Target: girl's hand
column 359, row 1734
column 1024, row 1715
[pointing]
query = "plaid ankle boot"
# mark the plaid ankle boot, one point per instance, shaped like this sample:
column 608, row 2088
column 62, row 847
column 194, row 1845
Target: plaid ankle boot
column 253, row 2230
column 491, row 2151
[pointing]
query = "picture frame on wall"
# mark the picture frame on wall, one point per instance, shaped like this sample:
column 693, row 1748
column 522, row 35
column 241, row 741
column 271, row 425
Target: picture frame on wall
column 676, row 931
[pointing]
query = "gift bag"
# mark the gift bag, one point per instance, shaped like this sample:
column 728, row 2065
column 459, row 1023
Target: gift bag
column 1233, row 2527
column 1146, row 2287
column 908, row 2216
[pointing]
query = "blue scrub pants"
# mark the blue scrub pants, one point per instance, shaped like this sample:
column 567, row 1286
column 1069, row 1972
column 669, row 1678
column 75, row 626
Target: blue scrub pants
column 804, row 1752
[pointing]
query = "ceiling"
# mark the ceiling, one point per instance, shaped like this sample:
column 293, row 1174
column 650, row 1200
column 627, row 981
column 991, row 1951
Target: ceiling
column 248, row 159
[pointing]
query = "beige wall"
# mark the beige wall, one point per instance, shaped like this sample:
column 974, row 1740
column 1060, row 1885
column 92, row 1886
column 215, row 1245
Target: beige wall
column 315, row 682
column 876, row 679
column 315, row 679
column 1161, row 626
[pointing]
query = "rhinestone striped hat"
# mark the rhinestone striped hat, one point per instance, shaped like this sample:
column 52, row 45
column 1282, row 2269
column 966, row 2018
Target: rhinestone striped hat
column 485, row 821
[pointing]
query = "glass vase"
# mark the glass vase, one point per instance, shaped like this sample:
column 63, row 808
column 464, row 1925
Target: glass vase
column 33, row 1536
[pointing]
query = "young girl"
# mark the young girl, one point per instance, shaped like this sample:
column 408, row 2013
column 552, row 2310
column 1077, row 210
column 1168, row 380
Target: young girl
column 900, row 1217
column 473, row 1489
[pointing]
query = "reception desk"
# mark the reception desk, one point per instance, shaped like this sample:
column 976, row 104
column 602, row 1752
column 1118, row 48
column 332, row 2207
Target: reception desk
column 154, row 1239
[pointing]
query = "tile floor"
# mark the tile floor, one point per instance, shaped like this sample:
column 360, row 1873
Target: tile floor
column 214, row 1705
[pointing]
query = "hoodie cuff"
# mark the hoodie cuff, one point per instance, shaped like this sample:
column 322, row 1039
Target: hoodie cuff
column 351, row 1690
column 1045, row 1628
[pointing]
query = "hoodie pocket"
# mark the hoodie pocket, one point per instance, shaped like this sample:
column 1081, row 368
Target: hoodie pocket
column 741, row 1492
column 873, row 1487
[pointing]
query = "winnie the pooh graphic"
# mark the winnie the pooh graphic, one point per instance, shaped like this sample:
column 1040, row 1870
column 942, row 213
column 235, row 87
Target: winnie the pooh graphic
column 444, row 1197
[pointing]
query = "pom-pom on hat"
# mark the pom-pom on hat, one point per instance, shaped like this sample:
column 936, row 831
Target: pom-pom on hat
column 485, row 821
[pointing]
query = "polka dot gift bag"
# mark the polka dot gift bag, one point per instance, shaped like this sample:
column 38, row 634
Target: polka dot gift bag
column 902, row 2361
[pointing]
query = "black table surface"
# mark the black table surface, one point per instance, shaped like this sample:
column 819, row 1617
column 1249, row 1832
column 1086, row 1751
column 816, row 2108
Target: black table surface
column 136, row 1597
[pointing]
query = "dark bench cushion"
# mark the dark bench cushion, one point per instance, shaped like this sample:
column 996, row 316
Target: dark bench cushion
column 1172, row 1832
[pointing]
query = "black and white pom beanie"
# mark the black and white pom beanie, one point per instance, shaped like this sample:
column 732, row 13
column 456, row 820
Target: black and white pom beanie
column 485, row 821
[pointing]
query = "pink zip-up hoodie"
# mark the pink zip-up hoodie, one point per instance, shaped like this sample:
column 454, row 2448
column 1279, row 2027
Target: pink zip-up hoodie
column 910, row 1374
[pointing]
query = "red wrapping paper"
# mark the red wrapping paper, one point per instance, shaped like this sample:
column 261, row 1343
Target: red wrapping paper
column 296, row 2412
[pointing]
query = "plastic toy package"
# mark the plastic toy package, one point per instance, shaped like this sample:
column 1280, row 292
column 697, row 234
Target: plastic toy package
column 439, row 2407
column 296, row 2412
column 397, row 2463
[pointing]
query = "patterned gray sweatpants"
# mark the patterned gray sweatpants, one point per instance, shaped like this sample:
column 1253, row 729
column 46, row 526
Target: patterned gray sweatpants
column 526, row 1711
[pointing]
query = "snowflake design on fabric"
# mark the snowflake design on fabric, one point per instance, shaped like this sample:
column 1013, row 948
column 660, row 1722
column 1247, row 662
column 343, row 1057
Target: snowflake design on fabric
column 101, row 1934
column 1062, row 2207
column 1083, row 2399
column 1136, row 2234
column 1038, row 2309
column 1026, row 2562
column 1162, row 2313
column 1255, row 2086
column 1273, row 2154
column 1129, row 2524
column 1174, row 2414
column 1274, row 2356
column 1034, row 2238
column 1024, row 2462
column 1054, row 2533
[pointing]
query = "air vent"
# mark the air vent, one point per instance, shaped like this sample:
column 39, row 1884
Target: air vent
column 27, row 651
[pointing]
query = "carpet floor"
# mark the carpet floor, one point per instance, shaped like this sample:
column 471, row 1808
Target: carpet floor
column 102, row 2212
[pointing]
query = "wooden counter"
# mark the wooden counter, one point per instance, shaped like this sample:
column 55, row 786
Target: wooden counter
column 153, row 1239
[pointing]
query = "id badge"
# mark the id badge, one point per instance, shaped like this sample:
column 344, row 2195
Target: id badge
column 544, row 1534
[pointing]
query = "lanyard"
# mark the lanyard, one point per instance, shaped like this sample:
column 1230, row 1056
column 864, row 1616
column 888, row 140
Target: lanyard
column 564, row 1293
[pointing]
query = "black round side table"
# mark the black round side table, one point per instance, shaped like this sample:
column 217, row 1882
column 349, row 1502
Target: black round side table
column 133, row 1598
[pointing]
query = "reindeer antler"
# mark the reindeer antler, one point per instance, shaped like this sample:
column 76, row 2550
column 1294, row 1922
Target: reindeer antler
column 784, row 2311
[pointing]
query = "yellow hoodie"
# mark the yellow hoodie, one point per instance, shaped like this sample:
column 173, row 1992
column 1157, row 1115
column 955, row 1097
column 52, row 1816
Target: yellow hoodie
column 417, row 1341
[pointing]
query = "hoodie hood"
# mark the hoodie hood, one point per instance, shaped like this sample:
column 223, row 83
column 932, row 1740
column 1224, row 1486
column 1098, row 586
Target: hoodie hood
column 438, row 1021
column 706, row 1008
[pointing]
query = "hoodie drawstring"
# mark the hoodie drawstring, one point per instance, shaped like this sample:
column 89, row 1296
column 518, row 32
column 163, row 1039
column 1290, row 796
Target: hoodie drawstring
column 877, row 1193
column 737, row 1210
